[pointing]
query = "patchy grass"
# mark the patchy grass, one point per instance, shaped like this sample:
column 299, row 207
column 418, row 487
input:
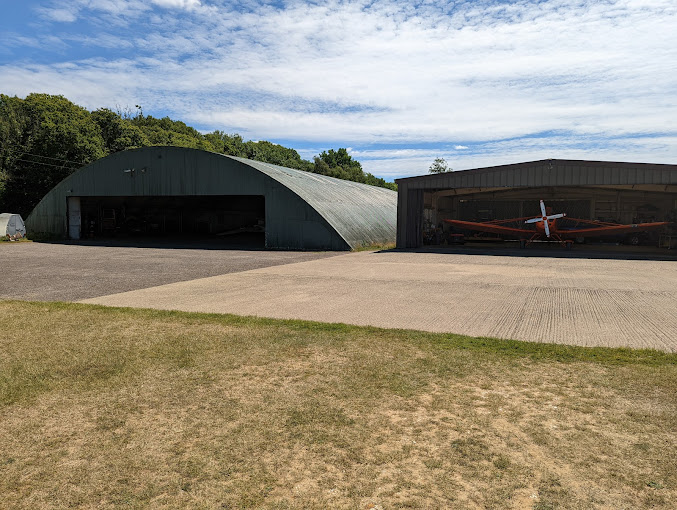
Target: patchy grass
column 8, row 239
column 375, row 247
column 106, row 408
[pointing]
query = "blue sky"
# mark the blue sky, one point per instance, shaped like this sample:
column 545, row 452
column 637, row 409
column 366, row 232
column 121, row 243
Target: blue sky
column 397, row 82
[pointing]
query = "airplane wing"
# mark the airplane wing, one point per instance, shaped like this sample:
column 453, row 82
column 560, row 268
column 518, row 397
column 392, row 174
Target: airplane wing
column 492, row 228
column 609, row 230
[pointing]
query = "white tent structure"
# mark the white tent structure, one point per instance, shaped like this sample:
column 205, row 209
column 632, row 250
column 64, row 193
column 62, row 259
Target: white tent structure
column 12, row 225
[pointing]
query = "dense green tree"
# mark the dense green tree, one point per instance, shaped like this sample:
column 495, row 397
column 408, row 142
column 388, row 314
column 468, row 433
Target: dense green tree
column 439, row 166
column 13, row 130
column 340, row 164
column 379, row 181
column 234, row 145
column 166, row 131
column 274, row 154
column 44, row 138
column 118, row 134
column 217, row 140
column 57, row 137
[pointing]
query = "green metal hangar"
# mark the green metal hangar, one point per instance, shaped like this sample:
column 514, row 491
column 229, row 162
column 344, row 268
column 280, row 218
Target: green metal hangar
column 599, row 190
column 177, row 192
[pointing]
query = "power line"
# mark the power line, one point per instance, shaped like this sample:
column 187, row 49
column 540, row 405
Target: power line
column 46, row 164
column 48, row 157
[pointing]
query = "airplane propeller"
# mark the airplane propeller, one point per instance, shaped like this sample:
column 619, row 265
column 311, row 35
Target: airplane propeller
column 544, row 218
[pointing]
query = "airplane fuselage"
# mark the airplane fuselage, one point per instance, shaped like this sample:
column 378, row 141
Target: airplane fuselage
column 552, row 225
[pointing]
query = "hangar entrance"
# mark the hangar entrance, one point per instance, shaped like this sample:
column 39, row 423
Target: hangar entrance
column 619, row 204
column 228, row 219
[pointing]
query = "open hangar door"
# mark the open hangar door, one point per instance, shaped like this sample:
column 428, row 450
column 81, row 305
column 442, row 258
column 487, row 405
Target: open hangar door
column 615, row 205
column 234, row 219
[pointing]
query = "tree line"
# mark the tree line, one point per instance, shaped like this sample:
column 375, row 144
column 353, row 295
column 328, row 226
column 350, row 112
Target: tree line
column 44, row 138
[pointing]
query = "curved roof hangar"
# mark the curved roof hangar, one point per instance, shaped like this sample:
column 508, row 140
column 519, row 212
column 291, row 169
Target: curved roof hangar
column 302, row 210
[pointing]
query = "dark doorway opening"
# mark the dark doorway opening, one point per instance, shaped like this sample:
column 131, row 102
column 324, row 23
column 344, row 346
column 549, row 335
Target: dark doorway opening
column 222, row 219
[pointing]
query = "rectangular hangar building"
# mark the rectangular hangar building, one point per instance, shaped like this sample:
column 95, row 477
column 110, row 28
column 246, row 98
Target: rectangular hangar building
column 598, row 190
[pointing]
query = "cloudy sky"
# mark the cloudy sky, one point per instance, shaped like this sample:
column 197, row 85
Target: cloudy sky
column 398, row 82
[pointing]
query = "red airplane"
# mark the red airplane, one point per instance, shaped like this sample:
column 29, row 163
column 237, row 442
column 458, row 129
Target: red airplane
column 546, row 227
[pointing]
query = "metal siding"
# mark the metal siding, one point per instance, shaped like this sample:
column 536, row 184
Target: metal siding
column 623, row 176
column 413, row 235
column 583, row 175
column 641, row 176
column 401, row 214
column 567, row 175
column 632, row 176
column 547, row 175
column 563, row 172
column 591, row 175
column 597, row 176
column 502, row 178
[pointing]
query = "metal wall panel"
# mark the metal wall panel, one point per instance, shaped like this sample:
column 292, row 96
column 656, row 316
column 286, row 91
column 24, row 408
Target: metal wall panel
column 551, row 173
column 414, row 232
column 402, row 217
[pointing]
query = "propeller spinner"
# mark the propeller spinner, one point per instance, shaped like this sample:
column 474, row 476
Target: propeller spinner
column 545, row 217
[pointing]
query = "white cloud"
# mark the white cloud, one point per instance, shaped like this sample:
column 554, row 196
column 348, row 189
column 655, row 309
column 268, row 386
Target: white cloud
column 384, row 71
column 181, row 4
column 394, row 164
column 64, row 15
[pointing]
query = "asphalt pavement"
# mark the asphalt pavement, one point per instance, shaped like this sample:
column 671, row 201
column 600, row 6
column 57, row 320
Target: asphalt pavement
column 74, row 271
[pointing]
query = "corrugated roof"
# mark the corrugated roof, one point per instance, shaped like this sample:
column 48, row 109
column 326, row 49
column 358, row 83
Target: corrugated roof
column 359, row 213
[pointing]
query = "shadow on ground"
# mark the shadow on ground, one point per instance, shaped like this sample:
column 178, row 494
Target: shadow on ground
column 553, row 250
column 244, row 241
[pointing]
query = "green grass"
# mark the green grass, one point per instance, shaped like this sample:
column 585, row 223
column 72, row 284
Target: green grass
column 109, row 407
column 6, row 239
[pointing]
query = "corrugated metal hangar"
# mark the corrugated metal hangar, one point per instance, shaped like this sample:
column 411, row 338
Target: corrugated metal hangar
column 173, row 191
column 597, row 190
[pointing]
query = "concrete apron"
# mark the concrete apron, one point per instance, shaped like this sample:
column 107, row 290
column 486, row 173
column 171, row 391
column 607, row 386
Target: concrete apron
column 589, row 302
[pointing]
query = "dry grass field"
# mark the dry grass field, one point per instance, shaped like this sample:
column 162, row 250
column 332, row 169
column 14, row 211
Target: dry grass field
column 119, row 408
